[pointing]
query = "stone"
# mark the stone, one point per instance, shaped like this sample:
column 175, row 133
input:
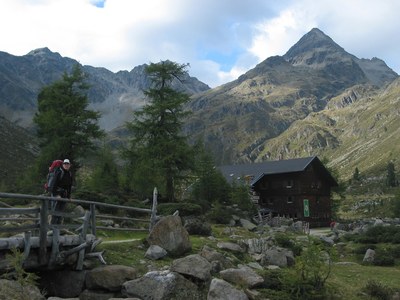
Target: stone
column 155, row 252
column 194, row 265
column 222, row 290
column 169, row 234
column 109, row 278
column 159, row 285
column 244, row 276
column 63, row 283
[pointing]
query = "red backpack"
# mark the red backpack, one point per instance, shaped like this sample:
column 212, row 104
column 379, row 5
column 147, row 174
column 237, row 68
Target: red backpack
column 55, row 165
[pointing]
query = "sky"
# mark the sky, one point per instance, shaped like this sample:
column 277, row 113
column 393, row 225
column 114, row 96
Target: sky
column 219, row 39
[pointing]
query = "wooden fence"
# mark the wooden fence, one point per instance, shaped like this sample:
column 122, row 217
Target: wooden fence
column 35, row 221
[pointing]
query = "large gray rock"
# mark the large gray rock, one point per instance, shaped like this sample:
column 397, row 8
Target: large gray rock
column 277, row 256
column 260, row 245
column 168, row 233
column 369, row 256
column 193, row 265
column 231, row 247
column 245, row 277
column 218, row 260
column 247, row 224
column 222, row 290
column 155, row 252
column 12, row 290
column 161, row 285
column 64, row 283
column 109, row 278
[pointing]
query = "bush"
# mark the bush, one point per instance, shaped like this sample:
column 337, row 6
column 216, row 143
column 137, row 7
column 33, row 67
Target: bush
column 383, row 258
column 220, row 214
column 377, row 290
column 285, row 241
column 380, row 234
column 185, row 209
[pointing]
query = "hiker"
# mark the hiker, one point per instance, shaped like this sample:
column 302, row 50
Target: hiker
column 61, row 188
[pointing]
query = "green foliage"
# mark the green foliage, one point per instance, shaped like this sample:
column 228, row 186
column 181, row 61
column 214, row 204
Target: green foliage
column 220, row 214
column 185, row 209
column 66, row 128
column 377, row 290
column 24, row 278
column 380, row 234
column 65, row 125
column 356, row 175
column 105, row 177
column 158, row 145
column 313, row 267
column 391, row 175
column 396, row 206
column 383, row 257
column 210, row 185
column 240, row 195
column 284, row 240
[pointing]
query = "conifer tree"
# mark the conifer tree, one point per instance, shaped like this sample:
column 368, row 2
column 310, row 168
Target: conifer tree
column 158, row 149
column 65, row 126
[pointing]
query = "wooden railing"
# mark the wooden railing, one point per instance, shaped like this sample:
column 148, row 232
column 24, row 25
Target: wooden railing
column 37, row 222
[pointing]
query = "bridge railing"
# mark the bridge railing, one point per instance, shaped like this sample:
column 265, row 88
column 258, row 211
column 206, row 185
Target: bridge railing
column 40, row 215
column 36, row 219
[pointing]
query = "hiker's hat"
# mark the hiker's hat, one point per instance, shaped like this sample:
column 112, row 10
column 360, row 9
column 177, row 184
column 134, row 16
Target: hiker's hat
column 66, row 161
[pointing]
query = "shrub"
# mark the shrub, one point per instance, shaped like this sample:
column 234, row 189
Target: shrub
column 383, row 258
column 283, row 240
column 185, row 209
column 377, row 290
column 220, row 214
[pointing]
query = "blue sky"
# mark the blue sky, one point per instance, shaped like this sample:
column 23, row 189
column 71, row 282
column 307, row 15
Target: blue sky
column 220, row 39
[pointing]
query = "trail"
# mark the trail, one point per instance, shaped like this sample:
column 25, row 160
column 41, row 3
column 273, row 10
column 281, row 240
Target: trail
column 119, row 241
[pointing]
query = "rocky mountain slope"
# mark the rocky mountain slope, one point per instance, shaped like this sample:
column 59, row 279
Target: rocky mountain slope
column 238, row 118
column 317, row 99
column 115, row 95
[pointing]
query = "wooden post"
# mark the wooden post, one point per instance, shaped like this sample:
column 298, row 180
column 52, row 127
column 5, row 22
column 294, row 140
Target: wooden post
column 27, row 244
column 93, row 218
column 82, row 238
column 153, row 217
column 43, row 231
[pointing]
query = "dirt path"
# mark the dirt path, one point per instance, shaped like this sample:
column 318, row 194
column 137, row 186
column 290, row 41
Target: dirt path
column 320, row 231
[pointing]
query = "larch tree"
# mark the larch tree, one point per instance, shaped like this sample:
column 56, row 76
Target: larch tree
column 65, row 126
column 158, row 151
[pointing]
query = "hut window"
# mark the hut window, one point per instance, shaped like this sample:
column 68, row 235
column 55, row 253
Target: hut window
column 289, row 199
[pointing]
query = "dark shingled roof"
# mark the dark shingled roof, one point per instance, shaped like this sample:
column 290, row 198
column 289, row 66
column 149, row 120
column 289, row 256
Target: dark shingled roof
column 257, row 170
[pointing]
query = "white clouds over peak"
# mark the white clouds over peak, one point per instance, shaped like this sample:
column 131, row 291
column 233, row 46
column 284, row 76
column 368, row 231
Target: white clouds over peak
column 220, row 39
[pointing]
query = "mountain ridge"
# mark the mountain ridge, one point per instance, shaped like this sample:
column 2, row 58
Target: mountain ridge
column 285, row 107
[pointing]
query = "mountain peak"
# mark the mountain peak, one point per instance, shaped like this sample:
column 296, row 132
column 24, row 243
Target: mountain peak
column 40, row 51
column 314, row 42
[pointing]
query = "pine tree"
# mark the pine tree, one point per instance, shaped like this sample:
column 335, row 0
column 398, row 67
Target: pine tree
column 391, row 175
column 66, row 127
column 158, row 146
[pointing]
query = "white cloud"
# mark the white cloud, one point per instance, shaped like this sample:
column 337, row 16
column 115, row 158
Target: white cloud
column 220, row 39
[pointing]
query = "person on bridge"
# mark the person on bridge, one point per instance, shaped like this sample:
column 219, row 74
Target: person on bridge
column 61, row 188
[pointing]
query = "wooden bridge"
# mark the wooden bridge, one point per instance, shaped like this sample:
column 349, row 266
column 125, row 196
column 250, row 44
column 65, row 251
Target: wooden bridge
column 42, row 245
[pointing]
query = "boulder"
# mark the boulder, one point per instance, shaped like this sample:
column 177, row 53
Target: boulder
column 244, row 277
column 169, row 234
column 193, row 265
column 197, row 226
column 231, row 247
column 222, row 290
column 12, row 290
column 369, row 256
column 160, row 285
column 109, row 278
column 155, row 252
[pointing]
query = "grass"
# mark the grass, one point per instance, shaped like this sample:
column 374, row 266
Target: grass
column 349, row 280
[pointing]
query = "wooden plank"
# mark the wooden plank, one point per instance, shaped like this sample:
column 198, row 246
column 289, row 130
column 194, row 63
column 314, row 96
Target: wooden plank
column 122, row 218
column 55, row 248
column 81, row 256
column 27, row 244
column 93, row 218
column 19, row 219
column 19, row 228
column 19, row 211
